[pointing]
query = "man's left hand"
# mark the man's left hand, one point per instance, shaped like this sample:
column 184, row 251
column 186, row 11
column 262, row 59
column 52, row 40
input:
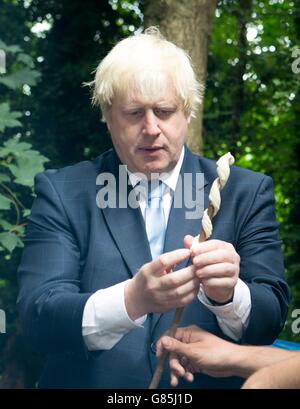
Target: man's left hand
column 217, row 266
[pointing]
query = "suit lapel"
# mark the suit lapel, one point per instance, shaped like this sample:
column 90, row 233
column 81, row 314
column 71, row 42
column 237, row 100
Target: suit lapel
column 125, row 223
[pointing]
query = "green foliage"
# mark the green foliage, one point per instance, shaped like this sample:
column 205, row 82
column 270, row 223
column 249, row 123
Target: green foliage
column 23, row 76
column 18, row 166
column 8, row 119
column 22, row 161
column 18, row 162
column 257, row 116
column 22, row 68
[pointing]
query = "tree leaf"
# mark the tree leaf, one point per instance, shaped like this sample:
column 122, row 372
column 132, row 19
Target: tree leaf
column 26, row 59
column 20, row 77
column 5, row 203
column 4, row 177
column 10, row 241
column 10, row 48
column 15, row 147
column 26, row 212
column 5, row 225
column 27, row 166
column 8, row 118
column 19, row 229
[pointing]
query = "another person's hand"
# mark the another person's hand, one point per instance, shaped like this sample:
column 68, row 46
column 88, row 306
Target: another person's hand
column 155, row 288
column 261, row 380
column 195, row 350
column 283, row 374
column 217, row 266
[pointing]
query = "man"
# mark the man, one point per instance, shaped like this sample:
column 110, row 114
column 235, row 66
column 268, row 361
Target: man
column 100, row 278
column 195, row 350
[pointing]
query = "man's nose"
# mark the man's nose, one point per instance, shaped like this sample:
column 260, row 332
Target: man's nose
column 151, row 124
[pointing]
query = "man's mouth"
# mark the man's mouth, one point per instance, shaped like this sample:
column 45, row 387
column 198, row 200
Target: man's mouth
column 151, row 148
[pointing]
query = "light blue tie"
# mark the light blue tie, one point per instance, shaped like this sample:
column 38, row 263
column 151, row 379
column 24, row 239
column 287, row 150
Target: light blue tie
column 155, row 218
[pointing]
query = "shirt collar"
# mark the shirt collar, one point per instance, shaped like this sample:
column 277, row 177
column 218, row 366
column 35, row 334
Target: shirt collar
column 169, row 178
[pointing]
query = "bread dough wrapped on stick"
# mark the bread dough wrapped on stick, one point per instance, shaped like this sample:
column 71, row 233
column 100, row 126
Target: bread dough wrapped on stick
column 223, row 170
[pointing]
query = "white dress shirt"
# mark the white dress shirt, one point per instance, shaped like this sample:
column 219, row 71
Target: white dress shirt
column 105, row 319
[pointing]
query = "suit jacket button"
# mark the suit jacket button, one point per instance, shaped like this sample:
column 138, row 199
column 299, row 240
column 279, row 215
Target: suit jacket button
column 153, row 347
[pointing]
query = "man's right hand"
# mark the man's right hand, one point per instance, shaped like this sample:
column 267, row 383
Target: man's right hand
column 156, row 289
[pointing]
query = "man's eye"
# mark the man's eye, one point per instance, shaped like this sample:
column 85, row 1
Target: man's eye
column 163, row 113
column 135, row 113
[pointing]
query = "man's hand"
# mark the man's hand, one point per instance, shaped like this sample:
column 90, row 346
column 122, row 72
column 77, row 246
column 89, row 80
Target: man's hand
column 195, row 350
column 217, row 265
column 156, row 289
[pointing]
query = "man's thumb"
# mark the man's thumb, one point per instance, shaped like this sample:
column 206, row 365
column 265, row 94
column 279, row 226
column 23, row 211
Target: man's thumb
column 172, row 345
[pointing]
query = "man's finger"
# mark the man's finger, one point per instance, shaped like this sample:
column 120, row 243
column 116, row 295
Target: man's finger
column 167, row 261
column 188, row 241
column 218, row 271
column 215, row 257
column 172, row 345
column 207, row 246
column 180, row 278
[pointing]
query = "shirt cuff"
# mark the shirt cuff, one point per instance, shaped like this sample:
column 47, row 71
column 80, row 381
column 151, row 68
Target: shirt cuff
column 233, row 317
column 105, row 319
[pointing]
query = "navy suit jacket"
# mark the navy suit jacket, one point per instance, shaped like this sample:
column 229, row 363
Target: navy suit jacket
column 73, row 248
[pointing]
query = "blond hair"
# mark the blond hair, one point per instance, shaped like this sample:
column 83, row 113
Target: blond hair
column 146, row 64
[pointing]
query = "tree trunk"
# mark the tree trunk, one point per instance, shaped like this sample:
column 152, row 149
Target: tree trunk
column 243, row 14
column 187, row 23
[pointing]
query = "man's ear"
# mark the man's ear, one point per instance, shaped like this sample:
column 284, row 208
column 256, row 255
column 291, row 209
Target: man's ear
column 189, row 118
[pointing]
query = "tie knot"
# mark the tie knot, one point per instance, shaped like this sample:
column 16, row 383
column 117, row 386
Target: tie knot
column 155, row 189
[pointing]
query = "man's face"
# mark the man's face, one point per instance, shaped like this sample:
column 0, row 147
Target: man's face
column 148, row 136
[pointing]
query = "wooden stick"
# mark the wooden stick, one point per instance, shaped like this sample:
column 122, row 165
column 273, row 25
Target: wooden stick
column 223, row 171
